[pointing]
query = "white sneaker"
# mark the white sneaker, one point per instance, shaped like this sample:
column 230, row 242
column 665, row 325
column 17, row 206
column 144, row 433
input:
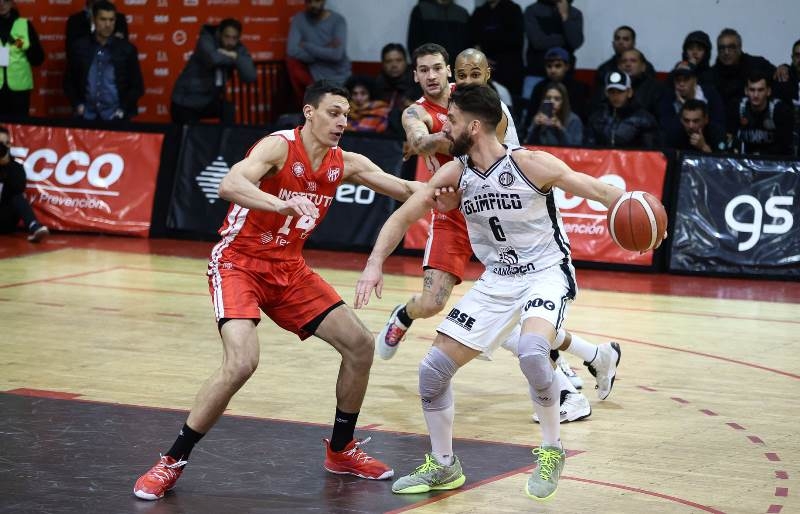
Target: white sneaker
column 575, row 407
column 577, row 382
column 604, row 367
column 389, row 338
column 38, row 234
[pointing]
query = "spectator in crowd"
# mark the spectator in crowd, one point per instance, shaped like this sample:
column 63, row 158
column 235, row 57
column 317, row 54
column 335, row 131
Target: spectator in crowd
column 695, row 132
column 686, row 87
column 316, row 47
column 557, row 69
column 763, row 124
column 366, row 114
column 555, row 124
column 13, row 204
column 550, row 23
column 395, row 84
column 442, row 22
column 697, row 52
column 647, row 91
column 498, row 31
column 622, row 122
column 20, row 43
column 733, row 66
column 103, row 80
column 624, row 39
column 789, row 90
column 81, row 24
column 199, row 91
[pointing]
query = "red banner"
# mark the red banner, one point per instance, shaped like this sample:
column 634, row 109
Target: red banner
column 585, row 221
column 89, row 180
column 164, row 33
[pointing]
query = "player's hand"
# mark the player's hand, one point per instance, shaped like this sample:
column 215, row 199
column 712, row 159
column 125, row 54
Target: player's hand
column 299, row 206
column 446, row 198
column 781, row 73
column 371, row 278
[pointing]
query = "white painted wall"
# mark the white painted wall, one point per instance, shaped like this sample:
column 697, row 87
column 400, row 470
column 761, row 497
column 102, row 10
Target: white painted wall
column 768, row 27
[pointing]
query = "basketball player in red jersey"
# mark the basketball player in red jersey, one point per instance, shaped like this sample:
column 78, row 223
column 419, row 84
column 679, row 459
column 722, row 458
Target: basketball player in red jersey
column 279, row 192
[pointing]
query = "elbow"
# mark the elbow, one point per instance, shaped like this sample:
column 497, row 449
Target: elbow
column 224, row 190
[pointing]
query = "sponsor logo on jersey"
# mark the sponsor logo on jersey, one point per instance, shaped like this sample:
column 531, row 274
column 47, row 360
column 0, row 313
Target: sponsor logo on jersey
column 538, row 302
column 492, row 201
column 211, row 176
column 461, row 319
column 507, row 255
column 266, row 238
column 522, row 269
column 333, row 174
column 506, row 179
column 298, row 169
column 319, row 200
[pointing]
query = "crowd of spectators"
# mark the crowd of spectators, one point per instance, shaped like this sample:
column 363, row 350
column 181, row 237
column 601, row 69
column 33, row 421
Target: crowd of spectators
column 739, row 103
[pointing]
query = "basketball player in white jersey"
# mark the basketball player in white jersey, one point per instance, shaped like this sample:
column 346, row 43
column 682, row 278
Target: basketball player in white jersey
column 515, row 229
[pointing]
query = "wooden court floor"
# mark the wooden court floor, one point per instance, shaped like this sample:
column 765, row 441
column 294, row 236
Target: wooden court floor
column 703, row 416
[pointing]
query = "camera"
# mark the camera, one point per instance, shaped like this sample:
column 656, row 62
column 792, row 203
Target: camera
column 547, row 108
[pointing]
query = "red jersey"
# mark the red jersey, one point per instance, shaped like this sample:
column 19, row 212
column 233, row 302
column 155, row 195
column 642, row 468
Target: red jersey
column 271, row 236
column 439, row 116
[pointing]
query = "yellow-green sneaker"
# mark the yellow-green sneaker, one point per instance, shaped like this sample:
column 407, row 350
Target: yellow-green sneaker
column 543, row 482
column 431, row 476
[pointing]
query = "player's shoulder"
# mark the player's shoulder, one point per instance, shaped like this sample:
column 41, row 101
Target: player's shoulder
column 272, row 147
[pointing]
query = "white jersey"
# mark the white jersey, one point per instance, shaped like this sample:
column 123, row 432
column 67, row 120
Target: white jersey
column 511, row 137
column 514, row 228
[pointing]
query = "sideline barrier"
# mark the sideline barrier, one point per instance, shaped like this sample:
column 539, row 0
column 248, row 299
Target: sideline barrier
column 89, row 180
column 737, row 215
column 207, row 152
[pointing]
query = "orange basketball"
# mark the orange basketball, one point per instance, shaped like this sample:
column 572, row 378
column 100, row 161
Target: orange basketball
column 637, row 221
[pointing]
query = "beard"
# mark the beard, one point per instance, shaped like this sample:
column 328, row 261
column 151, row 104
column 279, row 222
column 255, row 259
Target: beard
column 461, row 145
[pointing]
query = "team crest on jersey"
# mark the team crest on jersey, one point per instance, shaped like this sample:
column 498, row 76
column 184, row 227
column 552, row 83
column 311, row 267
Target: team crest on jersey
column 266, row 238
column 333, row 174
column 298, row 169
column 441, row 117
column 311, row 186
column 506, row 179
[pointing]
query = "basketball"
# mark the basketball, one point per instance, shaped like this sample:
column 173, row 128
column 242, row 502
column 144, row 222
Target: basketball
column 637, row 221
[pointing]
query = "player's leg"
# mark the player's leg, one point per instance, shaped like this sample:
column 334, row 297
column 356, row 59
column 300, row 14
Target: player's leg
column 441, row 469
column 602, row 360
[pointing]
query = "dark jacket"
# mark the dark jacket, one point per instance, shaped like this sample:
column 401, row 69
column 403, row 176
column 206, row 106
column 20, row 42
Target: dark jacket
column 768, row 132
column 703, row 69
column 790, row 90
column 714, row 134
column 545, row 29
column 669, row 107
column 730, row 80
column 12, row 181
column 445, row 25
column 500, row 34
column 197, row 84
column 127, row 73
column 629, row 126
column 80, row 24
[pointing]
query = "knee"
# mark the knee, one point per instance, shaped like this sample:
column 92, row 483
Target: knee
column 435, row 372
column 360, row 351
column 428, row 306
column 534, row 361
column 240, row 368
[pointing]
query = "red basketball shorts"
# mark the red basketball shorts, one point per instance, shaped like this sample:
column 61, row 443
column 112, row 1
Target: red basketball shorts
column 448, row 247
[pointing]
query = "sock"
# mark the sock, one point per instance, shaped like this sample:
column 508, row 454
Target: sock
column 582, row 348
column 549, row 422
column 563, row 382
column 184, row 444
column 402, row 316
column 440, row 428
column 344, row 426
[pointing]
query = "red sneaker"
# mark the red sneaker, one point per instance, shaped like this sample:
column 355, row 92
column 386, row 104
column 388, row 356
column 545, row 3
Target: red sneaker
column 354, row 461
column 159, row 479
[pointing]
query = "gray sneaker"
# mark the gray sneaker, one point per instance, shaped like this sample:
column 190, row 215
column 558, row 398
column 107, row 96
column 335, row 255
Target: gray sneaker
column 543, row 482
column 604, row 367
column 431, row 476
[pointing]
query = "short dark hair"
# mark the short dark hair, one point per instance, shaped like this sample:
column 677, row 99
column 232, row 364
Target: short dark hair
column 628, row 28
column 320, row 88
column 394, row 47
column 730, row 32
column 361, row 80
column 758, row 74
column 693, row 104
column 4, row 130
column 429, row 49
column 230, row 22
column 795, row 44
column 102, row 5
column 480, row 101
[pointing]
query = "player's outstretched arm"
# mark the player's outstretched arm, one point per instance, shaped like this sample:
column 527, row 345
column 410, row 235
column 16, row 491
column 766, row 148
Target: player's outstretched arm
column 547, row 171
column 359, row 169
column 418, row 134
column 239, row 185
column 395, row 228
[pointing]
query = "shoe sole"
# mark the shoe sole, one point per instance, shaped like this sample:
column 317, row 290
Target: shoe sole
column 146, row 496
column 538, row 499
column 616, row 347
column 418, row 489
column 563, row 421
column 384, row 476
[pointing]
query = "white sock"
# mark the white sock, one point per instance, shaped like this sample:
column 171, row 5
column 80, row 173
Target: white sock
column 563, row 381
column 549, row 421
column 582, row 348
column 440, row 428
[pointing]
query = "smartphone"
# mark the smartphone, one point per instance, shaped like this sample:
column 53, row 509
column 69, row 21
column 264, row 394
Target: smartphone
column 547, row 108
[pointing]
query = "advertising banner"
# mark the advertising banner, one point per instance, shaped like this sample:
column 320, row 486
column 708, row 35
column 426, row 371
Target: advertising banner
column 89, row 180
column 737, row 215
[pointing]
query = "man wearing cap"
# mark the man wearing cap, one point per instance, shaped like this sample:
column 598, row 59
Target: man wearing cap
column 557, row 67
column 622, row 122
column 686, row 87
column 694, row 131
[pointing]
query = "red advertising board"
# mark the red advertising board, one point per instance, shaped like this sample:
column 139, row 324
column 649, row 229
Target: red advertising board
column 164, row 32
column 584, row 221
column 89, row 180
